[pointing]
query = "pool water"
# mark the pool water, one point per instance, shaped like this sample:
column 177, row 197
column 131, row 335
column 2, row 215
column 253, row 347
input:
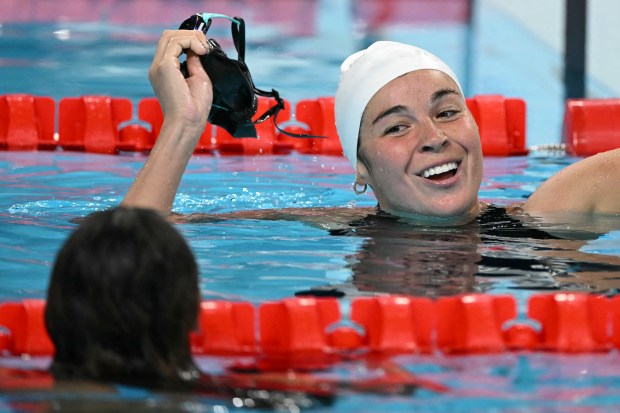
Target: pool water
column 106, row 47
column 256, row 261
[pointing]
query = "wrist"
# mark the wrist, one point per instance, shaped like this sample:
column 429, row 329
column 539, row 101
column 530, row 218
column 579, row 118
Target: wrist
column 183, row 125
column 180, row 133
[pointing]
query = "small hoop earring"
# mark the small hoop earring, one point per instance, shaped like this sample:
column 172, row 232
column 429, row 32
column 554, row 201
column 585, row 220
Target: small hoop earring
column 359, row 191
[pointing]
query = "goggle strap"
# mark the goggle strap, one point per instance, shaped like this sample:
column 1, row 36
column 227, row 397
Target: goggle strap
column 292, row 134
column 207, row 25
column 209, row 16
column 274, row 111
column 238, row 35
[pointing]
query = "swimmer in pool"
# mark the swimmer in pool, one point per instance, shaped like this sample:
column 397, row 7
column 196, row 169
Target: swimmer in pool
column 404, row 125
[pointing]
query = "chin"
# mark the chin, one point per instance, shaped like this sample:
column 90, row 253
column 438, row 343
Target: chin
column 450, row 207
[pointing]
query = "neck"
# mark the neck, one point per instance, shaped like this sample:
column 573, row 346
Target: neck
column 453, row 220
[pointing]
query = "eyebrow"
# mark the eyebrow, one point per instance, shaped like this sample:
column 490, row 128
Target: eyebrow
column 390, row 111
column 443, row 92
column 401, row 108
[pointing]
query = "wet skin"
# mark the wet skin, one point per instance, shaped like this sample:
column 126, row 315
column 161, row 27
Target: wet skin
column 413, row 133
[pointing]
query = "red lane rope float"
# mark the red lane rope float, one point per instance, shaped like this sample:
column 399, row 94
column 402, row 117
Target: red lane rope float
column 309, row 332
column 591, row 126
column 501, row 122
column 27, row 122
column 25, row 331
column 90, row 123
column 104, row 124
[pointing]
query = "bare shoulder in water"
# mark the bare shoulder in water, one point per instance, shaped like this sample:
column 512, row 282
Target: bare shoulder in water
column 566, row 224
column 322, row 217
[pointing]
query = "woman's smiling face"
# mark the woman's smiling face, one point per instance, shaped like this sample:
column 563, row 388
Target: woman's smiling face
column 419, row 148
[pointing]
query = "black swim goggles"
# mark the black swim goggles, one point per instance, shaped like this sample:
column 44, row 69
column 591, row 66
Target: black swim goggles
column 234, row 94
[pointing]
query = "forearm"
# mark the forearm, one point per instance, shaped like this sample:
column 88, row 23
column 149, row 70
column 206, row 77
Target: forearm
column 158, row 181
column 186, row 103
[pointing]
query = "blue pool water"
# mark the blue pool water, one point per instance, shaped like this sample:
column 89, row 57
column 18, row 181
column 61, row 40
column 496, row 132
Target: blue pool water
column 96, row 47
column 239, row 259
column 265, row 260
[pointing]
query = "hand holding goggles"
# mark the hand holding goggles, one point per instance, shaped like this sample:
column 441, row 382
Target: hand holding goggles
column 234, row 92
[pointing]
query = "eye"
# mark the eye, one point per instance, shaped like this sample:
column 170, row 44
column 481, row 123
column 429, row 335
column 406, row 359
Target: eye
column 448, row 114
column 395, row 130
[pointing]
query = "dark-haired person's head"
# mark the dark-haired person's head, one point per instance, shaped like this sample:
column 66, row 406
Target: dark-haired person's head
column 122, row 300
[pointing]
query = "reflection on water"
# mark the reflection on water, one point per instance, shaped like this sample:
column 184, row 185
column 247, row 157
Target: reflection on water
column 514, row 249
column 534, row 382
column 397, row 257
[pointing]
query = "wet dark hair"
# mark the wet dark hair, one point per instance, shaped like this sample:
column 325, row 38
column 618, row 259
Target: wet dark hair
column 360, row 156
column 122, row 301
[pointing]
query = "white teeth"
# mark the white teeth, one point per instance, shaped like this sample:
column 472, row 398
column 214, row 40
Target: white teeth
column 439, row 169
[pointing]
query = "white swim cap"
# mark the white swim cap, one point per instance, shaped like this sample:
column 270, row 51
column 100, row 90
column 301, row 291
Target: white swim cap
column 362, row 75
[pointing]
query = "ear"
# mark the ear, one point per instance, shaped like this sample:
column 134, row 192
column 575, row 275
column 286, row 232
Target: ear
column 362, row 173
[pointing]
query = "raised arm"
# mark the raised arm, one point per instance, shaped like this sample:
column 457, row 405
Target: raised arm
column 591, row 185
column 186, row 104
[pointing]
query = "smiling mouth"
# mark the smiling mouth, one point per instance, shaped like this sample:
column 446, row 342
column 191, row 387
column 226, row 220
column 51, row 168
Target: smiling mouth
column 440, row 172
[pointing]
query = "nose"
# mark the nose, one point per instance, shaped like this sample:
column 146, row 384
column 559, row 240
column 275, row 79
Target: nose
column 433, row 139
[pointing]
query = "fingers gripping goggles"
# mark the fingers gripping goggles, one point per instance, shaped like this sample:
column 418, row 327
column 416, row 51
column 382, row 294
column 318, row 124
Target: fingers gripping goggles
column 234, row 93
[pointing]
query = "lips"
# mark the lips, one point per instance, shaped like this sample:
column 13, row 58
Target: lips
column 440, row 172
